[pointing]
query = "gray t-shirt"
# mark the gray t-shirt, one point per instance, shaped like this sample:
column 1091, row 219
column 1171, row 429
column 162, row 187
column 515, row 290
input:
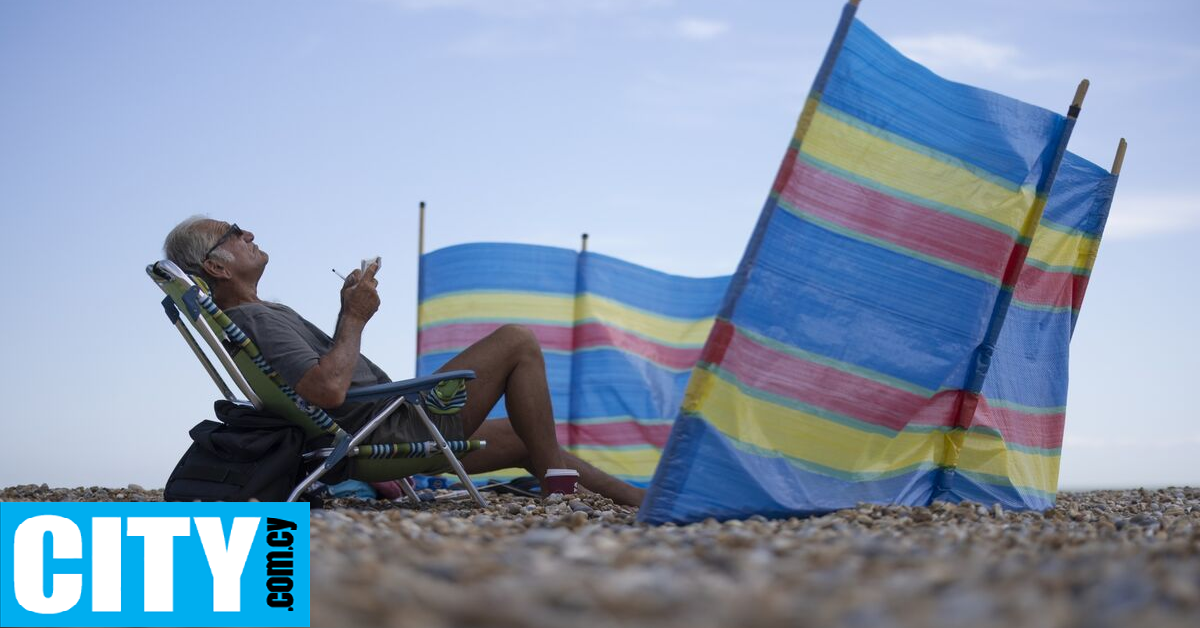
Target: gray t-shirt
column 292, row 345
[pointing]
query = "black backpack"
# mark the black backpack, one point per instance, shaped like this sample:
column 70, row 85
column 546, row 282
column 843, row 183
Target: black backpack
column 248, row 454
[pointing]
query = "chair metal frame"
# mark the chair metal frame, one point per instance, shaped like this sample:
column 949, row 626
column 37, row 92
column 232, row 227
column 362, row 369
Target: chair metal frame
column 401, row 392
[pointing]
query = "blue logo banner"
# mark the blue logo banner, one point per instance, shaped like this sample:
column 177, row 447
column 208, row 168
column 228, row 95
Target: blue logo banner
column 154, row 564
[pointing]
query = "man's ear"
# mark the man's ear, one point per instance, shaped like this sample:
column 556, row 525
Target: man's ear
column 215, row 269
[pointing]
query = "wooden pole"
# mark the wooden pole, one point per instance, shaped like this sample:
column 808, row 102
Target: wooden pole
column 583, row 247
column 421, row 233
column 1077, row 102
column 1120, row 158
column 420, row 253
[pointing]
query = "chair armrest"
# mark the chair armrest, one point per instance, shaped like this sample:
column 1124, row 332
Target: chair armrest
column 391, row 390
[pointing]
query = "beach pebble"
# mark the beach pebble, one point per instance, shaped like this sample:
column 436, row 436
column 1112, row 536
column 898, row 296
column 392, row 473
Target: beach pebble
column 1144, row 519
column 1100, row 558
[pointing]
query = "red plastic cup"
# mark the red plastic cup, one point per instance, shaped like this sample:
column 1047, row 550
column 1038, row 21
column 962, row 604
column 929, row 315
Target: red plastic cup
column 560, row 481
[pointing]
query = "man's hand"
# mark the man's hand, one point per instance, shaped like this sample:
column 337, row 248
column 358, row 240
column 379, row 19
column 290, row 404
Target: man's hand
column 360, row 295
column 326, row 383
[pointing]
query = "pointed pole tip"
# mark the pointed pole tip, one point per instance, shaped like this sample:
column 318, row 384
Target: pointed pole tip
column 1120, row 158
column 1077, row 102
column 1080, row 92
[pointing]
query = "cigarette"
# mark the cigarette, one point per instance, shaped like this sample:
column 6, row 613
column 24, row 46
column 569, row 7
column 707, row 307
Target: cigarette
column 340, row 276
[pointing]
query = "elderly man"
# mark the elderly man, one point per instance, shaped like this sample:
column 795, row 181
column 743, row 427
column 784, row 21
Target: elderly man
column 321, row 369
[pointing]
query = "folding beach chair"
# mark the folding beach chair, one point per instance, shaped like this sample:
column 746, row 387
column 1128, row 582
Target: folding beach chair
column 441, row 393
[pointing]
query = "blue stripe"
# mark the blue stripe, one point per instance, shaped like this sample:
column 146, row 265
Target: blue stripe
column 1030, row 363
column 705, row 474
column 609, row 383
column 1081, row 196
column 873, row 82
column 835, row 47
column 864, row 305
column 530, row 268
column 963, row 486
column 651, row 290
column 496, row 266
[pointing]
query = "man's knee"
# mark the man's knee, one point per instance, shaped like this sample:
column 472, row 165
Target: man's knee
column 520, row 339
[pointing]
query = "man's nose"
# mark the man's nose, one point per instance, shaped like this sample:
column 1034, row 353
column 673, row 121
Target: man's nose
column 248, row 235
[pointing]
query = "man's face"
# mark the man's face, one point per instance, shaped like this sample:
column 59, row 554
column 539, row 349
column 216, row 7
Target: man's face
column 248, row 259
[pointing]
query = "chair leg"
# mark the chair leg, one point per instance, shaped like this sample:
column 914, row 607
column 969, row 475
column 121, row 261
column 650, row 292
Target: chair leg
column 454, row 463
column 408, row 491
column 353, row 440
column 306, row 482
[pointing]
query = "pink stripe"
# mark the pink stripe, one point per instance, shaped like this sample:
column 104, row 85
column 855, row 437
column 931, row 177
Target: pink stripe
column 944, row 236
column 785, row 171
column 591, row 335
column 619, row 434
column 831, row 389
column 1016, row 262
column 1056, row 289
column 458, row 336
column 1022, row 428
column 865, row 399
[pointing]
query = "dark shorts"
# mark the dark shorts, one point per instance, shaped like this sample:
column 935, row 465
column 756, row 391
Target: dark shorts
column 404, row 426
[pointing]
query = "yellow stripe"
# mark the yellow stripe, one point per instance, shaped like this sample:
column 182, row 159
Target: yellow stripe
column 1055, row 248
column 498, row 306
column 807, row 437
column 519, row 306
column 800, row 435
column 937, row 179
column 698, row 389
column 953, row 441
column 632, row 463
column 980, row 453
column 986, row 453
column 657, row 327
column 806, row 117
column 638, row 463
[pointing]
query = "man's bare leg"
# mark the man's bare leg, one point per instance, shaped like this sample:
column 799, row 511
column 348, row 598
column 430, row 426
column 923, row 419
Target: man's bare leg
column 509, row 362
column 506, row 450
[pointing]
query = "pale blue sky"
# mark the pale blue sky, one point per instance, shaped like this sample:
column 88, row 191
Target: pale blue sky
column 655, row 125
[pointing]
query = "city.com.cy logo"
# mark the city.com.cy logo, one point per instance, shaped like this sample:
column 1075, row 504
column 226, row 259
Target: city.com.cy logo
column 154, row 564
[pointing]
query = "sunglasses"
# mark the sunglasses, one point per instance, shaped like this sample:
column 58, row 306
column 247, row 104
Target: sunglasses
column 233, row 231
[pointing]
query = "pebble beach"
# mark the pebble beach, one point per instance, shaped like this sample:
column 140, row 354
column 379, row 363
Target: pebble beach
column 1099, row 558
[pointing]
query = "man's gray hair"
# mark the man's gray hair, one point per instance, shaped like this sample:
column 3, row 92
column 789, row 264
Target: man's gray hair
column 186, row 246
